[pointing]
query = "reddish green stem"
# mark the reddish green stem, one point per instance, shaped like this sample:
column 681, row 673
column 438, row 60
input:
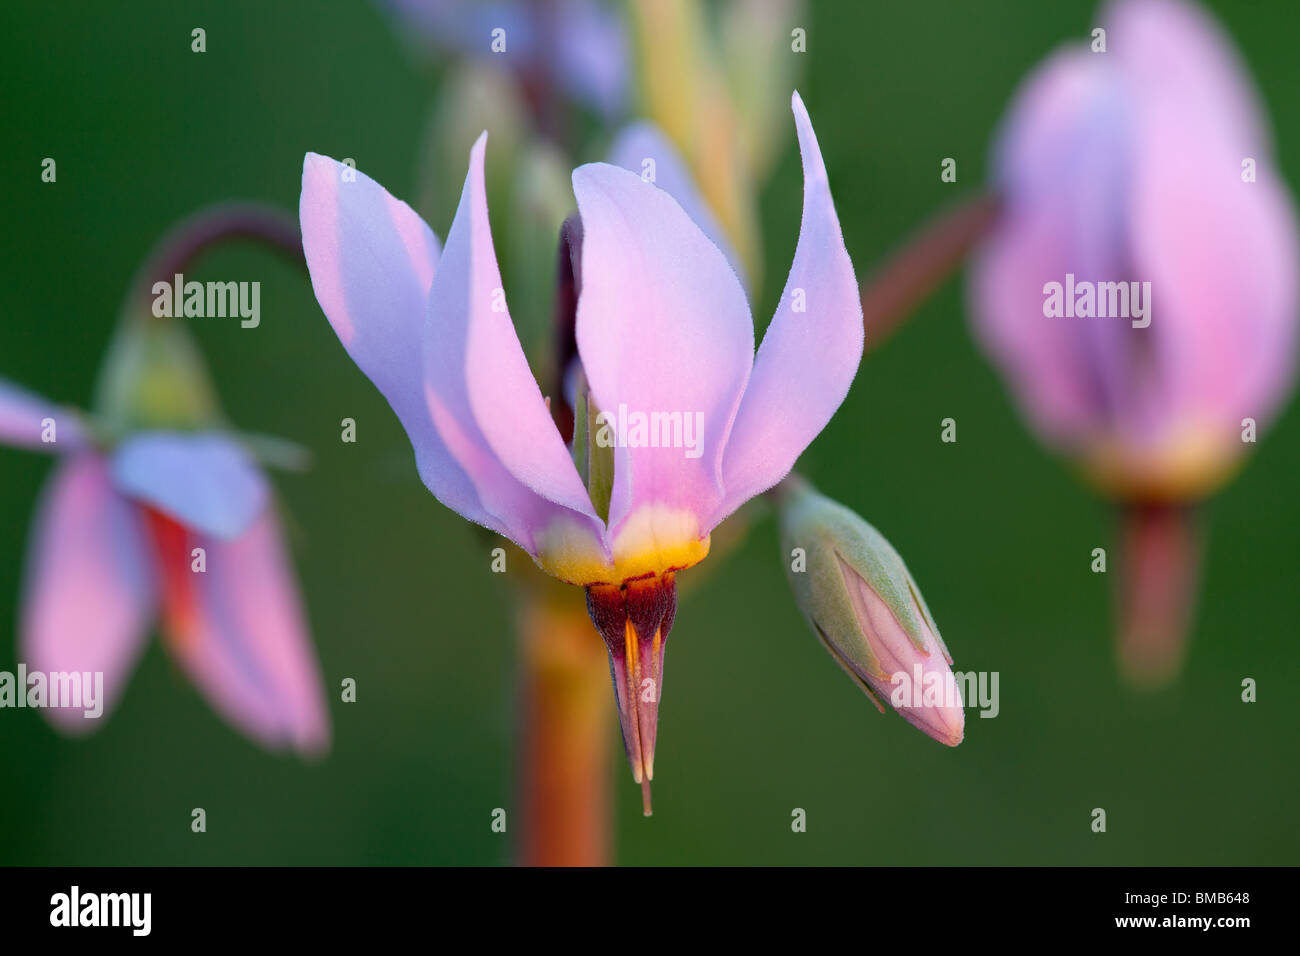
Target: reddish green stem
column 928, row 257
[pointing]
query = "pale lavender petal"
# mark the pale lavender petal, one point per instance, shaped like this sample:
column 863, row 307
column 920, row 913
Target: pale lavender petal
column 372, row 261
column 663, row 328
column 90, row 589
column 203, row 480
column 468, row 302
column 644, row 141
column 243, row 639
column 485, row 402
column 25, row 420
column 811, row 349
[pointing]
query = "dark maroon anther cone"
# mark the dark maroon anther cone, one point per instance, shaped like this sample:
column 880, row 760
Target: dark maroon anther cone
column 634, row 620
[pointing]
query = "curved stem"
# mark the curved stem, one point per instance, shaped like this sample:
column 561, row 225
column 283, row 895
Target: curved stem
column 210, row 226
column 928, row 257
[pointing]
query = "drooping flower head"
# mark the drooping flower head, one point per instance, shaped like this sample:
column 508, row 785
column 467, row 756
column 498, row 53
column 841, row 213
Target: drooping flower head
column 157, row 509
column 1146, row 170
column 679, row 422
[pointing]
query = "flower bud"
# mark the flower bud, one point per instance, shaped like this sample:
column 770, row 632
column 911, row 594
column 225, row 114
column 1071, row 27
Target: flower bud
column 868, row 612
column 154, row 377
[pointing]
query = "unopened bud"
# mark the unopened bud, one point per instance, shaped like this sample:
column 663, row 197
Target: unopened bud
column 868, row 612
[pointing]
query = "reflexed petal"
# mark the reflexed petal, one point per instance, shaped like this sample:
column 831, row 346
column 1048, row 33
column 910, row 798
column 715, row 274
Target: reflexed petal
column 809, row 356
column 372, row 261
column 663, row 329
column 644, row 141
column 1220, row 253
column 1221, row 257
column 484, row 400
column 22, row 421
column 205, row 481
column 468, row 306
column 90, row 589
column 1040, row 356
column 241, row 635
column 1061, row 165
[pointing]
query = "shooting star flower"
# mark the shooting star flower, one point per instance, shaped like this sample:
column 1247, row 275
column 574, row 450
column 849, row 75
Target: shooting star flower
column 163, row 519
column 663, row 328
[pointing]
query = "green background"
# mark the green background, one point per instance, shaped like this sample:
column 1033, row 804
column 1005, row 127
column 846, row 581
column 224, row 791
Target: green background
column 757, row 719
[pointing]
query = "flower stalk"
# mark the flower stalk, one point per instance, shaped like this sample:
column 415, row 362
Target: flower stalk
column 564, row 736
column 1161, row 554
column 212, row 226
column 915, row 270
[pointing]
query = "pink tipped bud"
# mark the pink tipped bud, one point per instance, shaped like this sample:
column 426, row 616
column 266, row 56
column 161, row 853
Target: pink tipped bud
column 866, row 609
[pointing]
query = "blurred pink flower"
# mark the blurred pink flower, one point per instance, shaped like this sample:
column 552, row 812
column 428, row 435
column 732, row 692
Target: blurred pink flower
column 113, row 542
column 1148, row 163
column 662, row 327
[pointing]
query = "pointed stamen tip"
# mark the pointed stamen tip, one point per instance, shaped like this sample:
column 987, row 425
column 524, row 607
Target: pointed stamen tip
column 646, row 809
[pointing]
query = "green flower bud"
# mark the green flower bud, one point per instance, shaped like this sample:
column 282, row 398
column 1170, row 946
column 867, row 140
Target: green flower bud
column 868, row 612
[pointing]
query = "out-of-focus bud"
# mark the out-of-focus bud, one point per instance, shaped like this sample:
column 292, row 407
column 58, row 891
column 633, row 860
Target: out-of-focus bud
column 1139, row 292
column 153, row 378
column 683, row 90
column 757, row 38
column 543, row 199
column 868, row 612
column 473, row 98
column 577, row 44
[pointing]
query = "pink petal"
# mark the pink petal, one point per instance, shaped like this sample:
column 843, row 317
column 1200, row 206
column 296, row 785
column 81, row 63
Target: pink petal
column 484, row 401
column 1040, row 356
column 22, row 418
column 242, row 637
column 644, row 141
column 90, row 589
column 662, row 327
column 1220, row 253
column 1221, row 256
column 808, row 358
column 1060, row 166
column 1173, row 50
column 372, row 261
column 470, row 325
